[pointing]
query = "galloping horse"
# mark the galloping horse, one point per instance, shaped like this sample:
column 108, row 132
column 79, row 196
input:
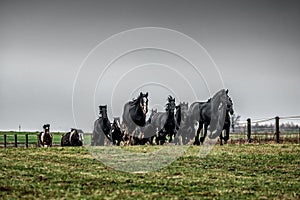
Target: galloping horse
column 116, row 133
column 211, row 113
column 148, row 131
column 102, row 128
column 45, row 137
column 134, row 114
column 227, row 123
column 182, row 121
column 165, row 122
column 72, row 138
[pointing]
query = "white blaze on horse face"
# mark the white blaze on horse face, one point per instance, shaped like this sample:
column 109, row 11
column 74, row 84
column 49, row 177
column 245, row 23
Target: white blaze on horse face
column 144, row 106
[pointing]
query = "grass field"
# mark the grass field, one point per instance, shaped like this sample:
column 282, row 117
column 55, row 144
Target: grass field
column 245, row 171
column 32, row 138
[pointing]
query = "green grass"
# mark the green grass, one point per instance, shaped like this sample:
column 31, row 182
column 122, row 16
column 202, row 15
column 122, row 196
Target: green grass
column 32, row 138
column 246, row 171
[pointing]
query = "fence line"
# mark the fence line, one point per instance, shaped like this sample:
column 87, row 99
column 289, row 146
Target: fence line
column 276, row 129
column 13, row 140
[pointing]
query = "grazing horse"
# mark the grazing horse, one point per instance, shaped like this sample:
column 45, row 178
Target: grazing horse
column 211, row 113
column 116, row 133
column 165, row 122
column 72, row 138
column 45, row 137
column 102, row 128
column 134, row 114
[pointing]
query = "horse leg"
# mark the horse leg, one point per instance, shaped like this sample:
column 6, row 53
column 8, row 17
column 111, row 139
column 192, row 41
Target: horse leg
column 171, row 136
column 226, row 138
column 205, row 133
column 197, row 142
column 221, row 138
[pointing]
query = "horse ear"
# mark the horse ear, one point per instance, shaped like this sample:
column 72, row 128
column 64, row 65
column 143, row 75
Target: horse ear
column 227, row 91
column 141, row 94
column 146, row 94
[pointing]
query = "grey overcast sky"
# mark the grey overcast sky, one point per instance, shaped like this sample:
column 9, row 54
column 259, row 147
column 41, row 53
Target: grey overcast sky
column 255, row 44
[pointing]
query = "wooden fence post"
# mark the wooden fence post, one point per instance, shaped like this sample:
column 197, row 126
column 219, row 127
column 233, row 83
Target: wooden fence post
column 16, row 140
column 277, row 128
column 5, row 141
column 26, row 140
column 249, row 130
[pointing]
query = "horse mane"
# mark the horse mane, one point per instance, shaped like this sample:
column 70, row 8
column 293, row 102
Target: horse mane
column 135, row 101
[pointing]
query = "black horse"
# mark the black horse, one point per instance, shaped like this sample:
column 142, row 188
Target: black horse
column 72, row 138
column 45, row 137
column 102, row 128
column 116, row 133
column 213, row 114
column 165, row 122
column 134, row 115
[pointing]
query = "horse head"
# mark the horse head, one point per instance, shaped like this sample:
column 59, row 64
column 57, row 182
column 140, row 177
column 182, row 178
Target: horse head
column 103, row 111
column 170, row 106
column 46, row 136
column 229, row 102
column 46, row 127
column 184, row 107
column 116, row 123
column 143, row 102
column 153, row 111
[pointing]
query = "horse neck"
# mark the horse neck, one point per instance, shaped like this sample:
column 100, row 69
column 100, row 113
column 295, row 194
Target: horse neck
column 170, row 114
column 104, row 119
column 138, row 110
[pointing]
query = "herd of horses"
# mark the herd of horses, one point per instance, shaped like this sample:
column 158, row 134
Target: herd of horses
column 178, row 124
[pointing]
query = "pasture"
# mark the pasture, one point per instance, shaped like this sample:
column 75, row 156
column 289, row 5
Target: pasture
column 233, row 171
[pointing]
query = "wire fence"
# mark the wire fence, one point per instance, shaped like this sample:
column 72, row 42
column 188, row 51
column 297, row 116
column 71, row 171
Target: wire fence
column 275, row 129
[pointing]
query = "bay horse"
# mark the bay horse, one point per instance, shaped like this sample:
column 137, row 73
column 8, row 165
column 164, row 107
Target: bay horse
column 211, row 114
column 134, row 115
column 45, row 137
column 165, row 122
column 72, row 138
column 102, row 128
